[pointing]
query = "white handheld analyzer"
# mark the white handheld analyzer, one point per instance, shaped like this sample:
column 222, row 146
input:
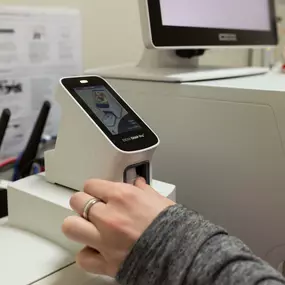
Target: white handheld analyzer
column 99, row 136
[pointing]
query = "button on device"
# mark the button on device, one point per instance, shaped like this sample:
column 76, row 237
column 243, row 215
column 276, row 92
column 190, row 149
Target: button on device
column 132, row 172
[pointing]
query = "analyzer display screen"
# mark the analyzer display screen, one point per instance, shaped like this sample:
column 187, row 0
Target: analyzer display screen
column 108, row 110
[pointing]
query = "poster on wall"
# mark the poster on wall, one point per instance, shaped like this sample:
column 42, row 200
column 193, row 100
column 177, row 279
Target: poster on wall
column 38, row 46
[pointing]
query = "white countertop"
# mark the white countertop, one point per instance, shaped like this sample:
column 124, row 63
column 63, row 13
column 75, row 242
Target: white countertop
column 40, row 254
column 272, row 81
column 3, row 221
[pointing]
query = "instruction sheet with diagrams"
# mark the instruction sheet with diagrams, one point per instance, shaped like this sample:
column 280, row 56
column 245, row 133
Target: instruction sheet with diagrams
column 38, row 46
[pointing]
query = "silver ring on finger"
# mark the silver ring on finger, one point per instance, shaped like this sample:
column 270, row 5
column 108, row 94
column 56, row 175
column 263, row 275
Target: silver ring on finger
column 89, row 204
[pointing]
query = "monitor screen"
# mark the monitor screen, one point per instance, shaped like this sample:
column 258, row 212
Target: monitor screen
column 107, row 109
column 220, row 14
column 208, row 23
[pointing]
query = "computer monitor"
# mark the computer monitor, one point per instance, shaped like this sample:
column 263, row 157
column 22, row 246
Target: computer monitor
column 177, row 32
column 191, row 24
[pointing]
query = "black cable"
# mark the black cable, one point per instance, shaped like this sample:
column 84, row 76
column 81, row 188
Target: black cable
column 4, row 121
column 30, row 152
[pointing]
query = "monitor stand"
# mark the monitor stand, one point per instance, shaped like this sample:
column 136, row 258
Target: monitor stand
column 166, row 66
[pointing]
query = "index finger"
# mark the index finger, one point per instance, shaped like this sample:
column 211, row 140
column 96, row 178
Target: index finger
column 100, row 189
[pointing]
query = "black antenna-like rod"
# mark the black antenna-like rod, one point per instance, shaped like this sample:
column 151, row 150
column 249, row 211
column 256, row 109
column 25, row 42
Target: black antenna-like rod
column 4, row 121
column 30, row 152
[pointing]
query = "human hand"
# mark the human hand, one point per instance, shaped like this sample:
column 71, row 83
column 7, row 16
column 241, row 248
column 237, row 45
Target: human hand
column 115, row 223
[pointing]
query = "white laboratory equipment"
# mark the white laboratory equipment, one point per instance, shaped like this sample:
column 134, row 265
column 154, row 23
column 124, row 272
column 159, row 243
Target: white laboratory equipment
column 33, row 248
column 222, row 145
column 117, row 138
column 223, row 140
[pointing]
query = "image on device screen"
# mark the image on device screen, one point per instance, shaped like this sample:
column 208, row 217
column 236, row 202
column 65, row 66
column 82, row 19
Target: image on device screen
column 107, row 109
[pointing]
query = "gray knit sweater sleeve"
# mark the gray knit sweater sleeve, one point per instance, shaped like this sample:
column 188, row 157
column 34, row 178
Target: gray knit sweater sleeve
column 181, row 248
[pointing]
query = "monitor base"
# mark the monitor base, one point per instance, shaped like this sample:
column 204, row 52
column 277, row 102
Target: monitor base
column 176, row 75
column 166, row 66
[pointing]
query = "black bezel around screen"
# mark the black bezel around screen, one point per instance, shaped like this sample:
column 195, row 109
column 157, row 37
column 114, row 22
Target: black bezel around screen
column 149, row 139
column 170, row 36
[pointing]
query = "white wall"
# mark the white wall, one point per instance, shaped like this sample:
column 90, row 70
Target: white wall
column 110, row 28
column 111, row 32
